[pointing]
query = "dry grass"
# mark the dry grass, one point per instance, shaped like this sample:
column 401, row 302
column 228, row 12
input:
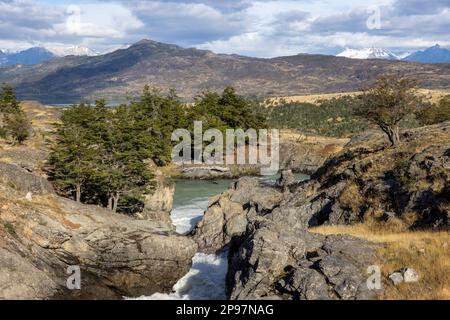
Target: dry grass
column 432, row 95
column 427, row 252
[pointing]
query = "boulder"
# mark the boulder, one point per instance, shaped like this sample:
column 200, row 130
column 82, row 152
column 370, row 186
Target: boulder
column 227, row 214
column 396, row 278
column 410, row 275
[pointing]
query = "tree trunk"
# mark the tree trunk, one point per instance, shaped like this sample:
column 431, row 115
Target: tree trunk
column 110, row 203
column 393, row 135
column 116, row 202
column 78, row 193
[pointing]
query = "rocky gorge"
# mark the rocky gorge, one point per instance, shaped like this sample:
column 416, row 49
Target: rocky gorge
column 264, row 229
column 272, row 252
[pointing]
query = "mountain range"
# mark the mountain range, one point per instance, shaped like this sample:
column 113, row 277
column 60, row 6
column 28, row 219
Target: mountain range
column 27, row 57
column 435, row 54
column 190, row 71
column 368, row 53
column 37, row 55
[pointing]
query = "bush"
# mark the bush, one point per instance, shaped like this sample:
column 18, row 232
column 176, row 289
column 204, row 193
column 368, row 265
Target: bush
column 435, row 113
column 17, row 127
column 13, row 121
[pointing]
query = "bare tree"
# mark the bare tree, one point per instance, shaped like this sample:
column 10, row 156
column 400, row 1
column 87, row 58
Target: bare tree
column 388, row 102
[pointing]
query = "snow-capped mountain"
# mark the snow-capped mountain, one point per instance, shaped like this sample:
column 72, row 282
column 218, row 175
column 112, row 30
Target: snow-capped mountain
column 62, row 50
column 436, row 54
column 368, row 53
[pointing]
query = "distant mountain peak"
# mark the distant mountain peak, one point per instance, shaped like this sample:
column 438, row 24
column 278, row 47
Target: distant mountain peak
column 434, row 54
column 71, row 50
column 34, row 55
column 153, row 43
column 368, row 53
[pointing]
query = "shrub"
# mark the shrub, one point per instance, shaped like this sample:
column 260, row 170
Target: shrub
column 435, row 113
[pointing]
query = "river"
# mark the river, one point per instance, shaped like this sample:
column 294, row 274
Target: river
column 206, row 278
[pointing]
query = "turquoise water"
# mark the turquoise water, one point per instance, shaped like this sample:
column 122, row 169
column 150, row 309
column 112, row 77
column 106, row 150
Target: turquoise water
column 192, row 196
column 206, row 278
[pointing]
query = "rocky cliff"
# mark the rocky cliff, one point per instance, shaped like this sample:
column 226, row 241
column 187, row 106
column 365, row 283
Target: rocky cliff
column 272, row 254
column 43, row 236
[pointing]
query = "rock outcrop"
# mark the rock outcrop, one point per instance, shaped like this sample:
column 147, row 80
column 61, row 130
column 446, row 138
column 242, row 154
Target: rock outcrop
column 19, row 178
column 40, row 237
column 409, row 183
column 300, row 265
column 227, row 214
column 273, row 254
column 206, row 172
column 159, row 204
column 306, row 154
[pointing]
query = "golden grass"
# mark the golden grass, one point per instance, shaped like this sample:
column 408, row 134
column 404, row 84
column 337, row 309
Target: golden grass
column 432, row 95
column 427, row 252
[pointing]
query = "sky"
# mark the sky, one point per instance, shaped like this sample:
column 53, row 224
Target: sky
column 262, row 28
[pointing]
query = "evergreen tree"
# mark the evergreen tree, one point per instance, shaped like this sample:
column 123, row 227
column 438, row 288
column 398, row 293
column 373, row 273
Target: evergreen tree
column 123, row 170
column 13, row 121
column 159, row 115
column 72, row 158
column 100, row 156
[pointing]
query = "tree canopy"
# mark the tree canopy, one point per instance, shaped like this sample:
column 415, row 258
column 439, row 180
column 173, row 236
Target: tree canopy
column 101, row 154
column 388, row 102
column 13, row 121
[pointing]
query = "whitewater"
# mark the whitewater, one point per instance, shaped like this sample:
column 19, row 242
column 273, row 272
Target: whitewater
column 206, row 278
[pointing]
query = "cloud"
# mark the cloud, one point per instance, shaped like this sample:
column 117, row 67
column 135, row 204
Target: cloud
column 104, row 20
column 263, row 28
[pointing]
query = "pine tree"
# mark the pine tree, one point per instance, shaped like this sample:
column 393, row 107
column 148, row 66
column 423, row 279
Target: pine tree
column 72, row 158
column 13, row 121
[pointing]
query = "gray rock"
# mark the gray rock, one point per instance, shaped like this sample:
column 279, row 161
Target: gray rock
column 286, row 179
column 410, row 275
column 159, row 204
column 22, row 180
column 118, row 255
column 396, row 278
column 206, row 172
column 227, row 214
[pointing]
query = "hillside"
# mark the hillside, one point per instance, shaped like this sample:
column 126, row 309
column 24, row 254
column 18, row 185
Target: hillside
column 435, row 54
column 70, row 79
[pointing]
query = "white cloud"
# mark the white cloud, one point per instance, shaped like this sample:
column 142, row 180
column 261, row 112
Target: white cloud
column 263, row 28
column 102, row 20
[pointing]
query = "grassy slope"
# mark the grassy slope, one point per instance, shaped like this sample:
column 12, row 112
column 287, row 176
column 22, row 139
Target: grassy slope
column 425, row 251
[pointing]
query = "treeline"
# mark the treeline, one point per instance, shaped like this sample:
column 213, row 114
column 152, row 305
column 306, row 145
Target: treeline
column 14, row 124
column 345, row 116
column 102, row 155
column 333, row 117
